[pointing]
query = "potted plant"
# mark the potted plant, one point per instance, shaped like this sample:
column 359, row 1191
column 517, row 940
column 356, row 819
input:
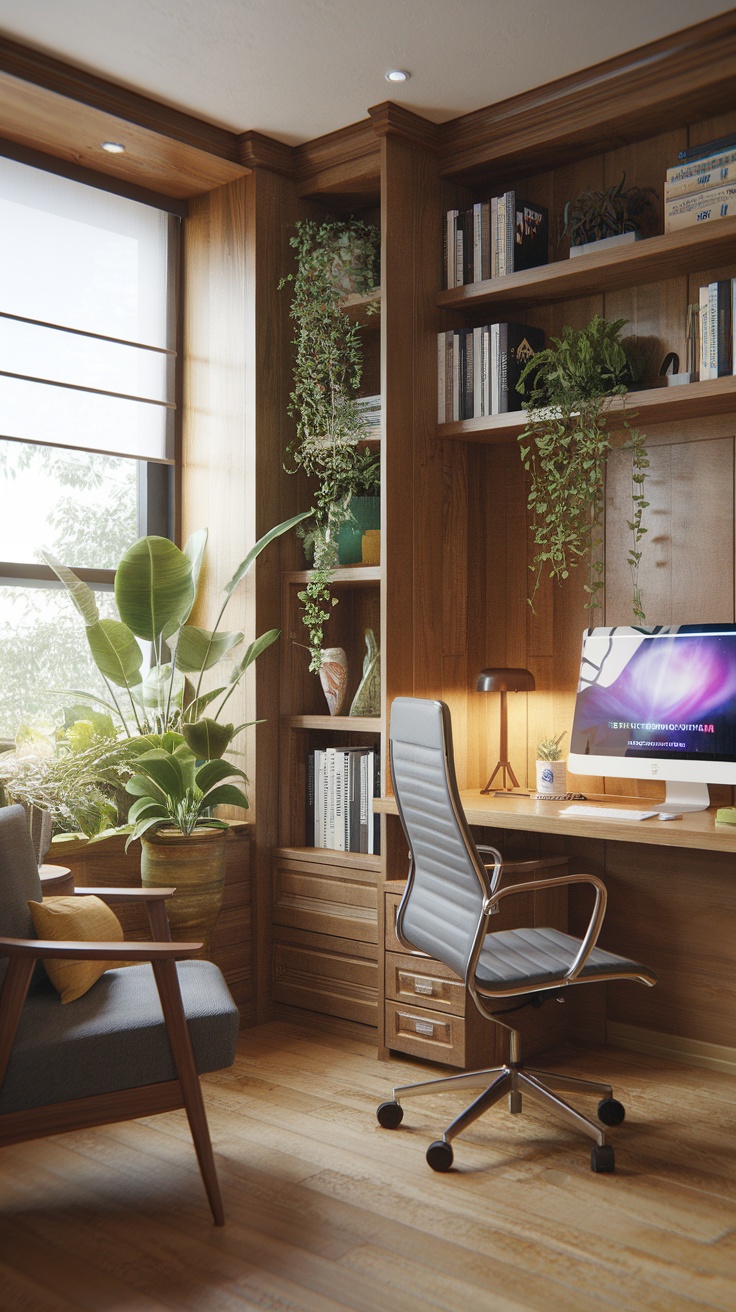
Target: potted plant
column 596, row 219
column 161, row 714
column 551, row 772
column 333, row 258
column 564, row 447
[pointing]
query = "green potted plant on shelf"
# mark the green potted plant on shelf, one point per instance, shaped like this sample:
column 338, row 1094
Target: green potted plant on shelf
column 551, row 771
column 173, row 725
column 611, row 217
column 564, row 447
column 334, row 258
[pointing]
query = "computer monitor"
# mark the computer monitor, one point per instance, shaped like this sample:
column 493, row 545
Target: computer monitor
column 658, row 703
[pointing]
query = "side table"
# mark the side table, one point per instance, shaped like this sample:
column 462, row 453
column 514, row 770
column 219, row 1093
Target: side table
column 56, row 881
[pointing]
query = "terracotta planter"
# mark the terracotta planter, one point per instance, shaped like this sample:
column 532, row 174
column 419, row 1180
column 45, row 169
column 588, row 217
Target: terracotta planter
column 195, row 867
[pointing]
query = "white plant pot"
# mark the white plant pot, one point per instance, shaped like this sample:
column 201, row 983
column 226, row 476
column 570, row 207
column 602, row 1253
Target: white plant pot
column 604, row 244
column 552, row 778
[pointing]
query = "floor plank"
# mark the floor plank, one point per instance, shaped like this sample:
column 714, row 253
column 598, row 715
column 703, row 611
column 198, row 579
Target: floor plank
column 326, row 1212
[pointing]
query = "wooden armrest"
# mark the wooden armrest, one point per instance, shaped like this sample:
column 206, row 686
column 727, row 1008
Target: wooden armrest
column 126, row 894
column 34, row 948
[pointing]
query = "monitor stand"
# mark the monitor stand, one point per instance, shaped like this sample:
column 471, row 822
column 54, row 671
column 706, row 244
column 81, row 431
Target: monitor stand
column 682, row 797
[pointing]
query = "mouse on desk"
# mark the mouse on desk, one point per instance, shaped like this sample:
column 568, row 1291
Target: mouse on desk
column 669, row 815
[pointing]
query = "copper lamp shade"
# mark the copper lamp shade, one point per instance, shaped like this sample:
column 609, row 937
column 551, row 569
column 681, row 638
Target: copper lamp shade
column 504, row 681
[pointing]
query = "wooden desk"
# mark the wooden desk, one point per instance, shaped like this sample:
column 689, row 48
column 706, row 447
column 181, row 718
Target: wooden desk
column 696, row 830
column 671, row 903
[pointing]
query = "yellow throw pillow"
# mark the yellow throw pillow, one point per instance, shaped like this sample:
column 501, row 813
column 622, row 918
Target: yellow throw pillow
column 81, row 920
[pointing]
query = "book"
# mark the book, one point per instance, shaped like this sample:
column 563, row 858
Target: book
column 441, row 376
column 309, row 807
column 531, row 242
column 518, row 343
column 704, row 362
column 707, row 148
column 687, row 211
column 716, row 176
column 723, row 325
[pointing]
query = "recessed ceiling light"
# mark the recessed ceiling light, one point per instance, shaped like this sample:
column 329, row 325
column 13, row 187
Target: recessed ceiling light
column 397, row 75
column 113, row 147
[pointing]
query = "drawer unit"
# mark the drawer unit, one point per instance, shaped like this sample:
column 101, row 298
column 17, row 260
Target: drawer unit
column 428, row 1012
column 329, row 975
column 326, row 899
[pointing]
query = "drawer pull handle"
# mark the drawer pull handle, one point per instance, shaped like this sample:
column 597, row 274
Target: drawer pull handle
column 424, row 1027
column 423, row 986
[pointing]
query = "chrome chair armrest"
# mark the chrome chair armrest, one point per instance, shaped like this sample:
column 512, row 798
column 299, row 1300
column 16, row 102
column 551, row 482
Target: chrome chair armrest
column 590, row 937
column 495, row 867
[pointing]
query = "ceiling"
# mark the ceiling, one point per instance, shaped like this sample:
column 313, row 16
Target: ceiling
column 296, row 70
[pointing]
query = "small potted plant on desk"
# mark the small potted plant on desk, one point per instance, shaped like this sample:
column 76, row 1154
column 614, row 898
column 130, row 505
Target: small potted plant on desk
column 551, row 768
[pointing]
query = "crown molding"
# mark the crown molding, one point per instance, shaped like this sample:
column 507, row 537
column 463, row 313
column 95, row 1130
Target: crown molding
column 256, row 150
column 390, row 119
column 349, row 159
column 653, row 88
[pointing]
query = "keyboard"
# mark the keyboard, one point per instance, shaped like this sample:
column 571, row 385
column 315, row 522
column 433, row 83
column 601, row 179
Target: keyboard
column 607, row 813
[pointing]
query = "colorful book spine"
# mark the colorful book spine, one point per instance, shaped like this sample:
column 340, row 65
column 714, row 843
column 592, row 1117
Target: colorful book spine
column 689, row 211
column 717, row 176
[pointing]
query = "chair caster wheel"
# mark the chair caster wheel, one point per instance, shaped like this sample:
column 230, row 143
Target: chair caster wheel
column 390, row 1114
column 439, row 1155
column 611, row 1112
column 602, row 1160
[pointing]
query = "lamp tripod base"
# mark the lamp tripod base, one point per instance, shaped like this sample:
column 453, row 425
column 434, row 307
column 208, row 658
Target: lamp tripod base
column 505, row 768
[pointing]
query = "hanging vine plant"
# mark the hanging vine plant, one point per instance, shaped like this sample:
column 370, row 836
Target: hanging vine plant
column 564, row 448
column 334, row 258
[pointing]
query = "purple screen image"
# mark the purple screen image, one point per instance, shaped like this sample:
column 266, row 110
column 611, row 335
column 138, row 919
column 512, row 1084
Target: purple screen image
column 669, row 695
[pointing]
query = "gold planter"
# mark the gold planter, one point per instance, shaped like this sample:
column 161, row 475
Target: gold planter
column 195, row 866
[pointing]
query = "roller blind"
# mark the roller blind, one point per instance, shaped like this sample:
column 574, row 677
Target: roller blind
column 86, row 317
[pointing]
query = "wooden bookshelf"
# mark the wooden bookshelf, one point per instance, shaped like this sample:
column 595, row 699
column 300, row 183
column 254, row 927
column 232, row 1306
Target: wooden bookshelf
column 338, row 723
column 651, row 260
column 656, row 405
column 357, row 576
column 364, row 310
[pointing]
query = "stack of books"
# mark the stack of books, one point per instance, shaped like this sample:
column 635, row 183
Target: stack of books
column 702, row 186
column 492, row 238
column 341, row 785
column 716, row 306
column 478, row 369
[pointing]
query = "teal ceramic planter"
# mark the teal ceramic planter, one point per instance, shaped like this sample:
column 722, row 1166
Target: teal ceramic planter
column 365, row 513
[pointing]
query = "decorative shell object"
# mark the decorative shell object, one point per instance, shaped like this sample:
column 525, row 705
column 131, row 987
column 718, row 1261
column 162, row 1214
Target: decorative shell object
column 367, row 700
column 333, row 675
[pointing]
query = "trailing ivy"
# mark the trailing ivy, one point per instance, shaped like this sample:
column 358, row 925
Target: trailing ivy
column 564, row 448
column 334, row 258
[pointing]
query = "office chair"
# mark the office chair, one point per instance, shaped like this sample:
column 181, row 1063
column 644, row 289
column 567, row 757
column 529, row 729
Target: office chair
column 446, row 911
column 135, row 1044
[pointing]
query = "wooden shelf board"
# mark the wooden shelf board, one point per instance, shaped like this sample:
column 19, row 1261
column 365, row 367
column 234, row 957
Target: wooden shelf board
column 328, row 856
column 337, row 723
column 359, row 308
column 357, row 576
column 651, row 260
column 654, row 406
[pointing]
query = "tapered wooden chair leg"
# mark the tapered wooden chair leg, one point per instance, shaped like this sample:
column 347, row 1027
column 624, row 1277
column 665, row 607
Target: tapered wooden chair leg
column 177, row 1029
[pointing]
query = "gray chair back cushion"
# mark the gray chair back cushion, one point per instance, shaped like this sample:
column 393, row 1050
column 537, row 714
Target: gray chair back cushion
column 443, row 903
column 19, row 879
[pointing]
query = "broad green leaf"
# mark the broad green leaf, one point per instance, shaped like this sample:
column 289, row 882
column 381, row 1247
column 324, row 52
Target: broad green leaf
column 194, row 552
column 263, row 542
column 208, row 739
column 213, row 772
column 141, row 786
column 252, row 653
column 154, row 690
column 86, row 696
column 165, row 770
column 195, row 707
column 153, row 587
column 145, row 806
column 199, row 649
column 82, row 595
column 145, row 825
column 116, row 652
column 226, row 795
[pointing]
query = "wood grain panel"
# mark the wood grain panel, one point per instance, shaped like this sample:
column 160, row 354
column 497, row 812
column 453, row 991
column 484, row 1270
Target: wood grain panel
column 328, row 975
column 326, row 899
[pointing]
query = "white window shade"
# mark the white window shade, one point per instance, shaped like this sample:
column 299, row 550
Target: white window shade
column 86, row 324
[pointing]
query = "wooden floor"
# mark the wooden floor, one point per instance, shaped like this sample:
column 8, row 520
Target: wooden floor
column 326, row 1211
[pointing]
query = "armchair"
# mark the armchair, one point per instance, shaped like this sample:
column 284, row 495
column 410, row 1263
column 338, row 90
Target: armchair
column 134, row 1045
column 452, row 892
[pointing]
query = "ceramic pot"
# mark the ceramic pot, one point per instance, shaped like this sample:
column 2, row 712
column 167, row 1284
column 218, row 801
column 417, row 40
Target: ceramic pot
column 195, row 866
column 333, row 675
column 551, row 778
column 364, row 513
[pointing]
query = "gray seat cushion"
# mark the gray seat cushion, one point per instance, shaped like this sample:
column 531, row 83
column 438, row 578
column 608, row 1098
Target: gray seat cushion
column 114, row 1037
column 530, row 957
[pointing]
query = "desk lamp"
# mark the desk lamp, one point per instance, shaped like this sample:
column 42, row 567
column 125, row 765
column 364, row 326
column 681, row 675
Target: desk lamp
column 504, row 681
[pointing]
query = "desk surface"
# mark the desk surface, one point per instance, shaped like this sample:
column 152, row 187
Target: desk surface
column 696, row 830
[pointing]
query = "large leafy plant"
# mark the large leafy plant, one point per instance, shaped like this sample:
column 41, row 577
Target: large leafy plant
column 155, row 591
column 564, row 447
column 333, row 258
column 172, row 787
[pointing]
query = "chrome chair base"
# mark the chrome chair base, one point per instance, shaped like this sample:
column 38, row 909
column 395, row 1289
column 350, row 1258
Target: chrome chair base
column 515, row 1082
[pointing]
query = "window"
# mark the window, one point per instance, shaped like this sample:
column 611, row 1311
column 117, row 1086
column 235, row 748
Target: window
column 87, row 336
